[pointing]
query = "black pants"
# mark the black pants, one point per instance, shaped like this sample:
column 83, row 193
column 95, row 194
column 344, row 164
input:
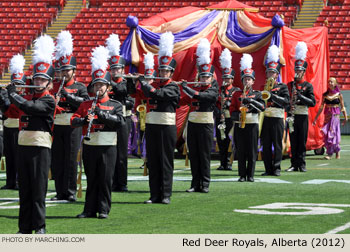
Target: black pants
column 160, row 146
column 298, row 141
column 224, row 144
column 65, row 147
column 11, row 154
column 121, row 166
column 33, row 169
column 247, row 148
column 200, row 142
column 272, row 133
column 99, row 163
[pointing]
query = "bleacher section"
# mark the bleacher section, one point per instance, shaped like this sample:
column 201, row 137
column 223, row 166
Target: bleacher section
column 20, row 23
column 338, row 19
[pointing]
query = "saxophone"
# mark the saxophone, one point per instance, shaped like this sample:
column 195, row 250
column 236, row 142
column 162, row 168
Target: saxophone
column 222, row 125
column 142, row 115
column 293, row 101
column 268, row 86
column 243, row 108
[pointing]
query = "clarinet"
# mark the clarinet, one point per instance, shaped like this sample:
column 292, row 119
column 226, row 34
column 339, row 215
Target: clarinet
column 222, row 125
column 58, row 94
column 290, row 119
column 87, row 136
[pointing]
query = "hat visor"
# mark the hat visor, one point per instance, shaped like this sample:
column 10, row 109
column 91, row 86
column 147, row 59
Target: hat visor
column 165, row 67
column 100, row 80
column 227, row 76
column 19, row 82
column 300, row 68
column 42, row 75
column 272, row 70
column 67, row 67
column 206, row 74
column 117, row 66
column 247, row 75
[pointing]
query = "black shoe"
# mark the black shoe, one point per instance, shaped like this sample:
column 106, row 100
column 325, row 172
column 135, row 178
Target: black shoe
column 250, row 179
column 24, row 232
column 302, row 169
column 86, row 215
column 229, row 168
column 72, row 198
column 266, row 174
column 277, row 173
column 221, row 168
column 291, row 169
column 192, row 190
column 57, row 198
column 40, row 231
column 166, row 200
column 121, row 189
column 205, row 190
column 241, row 179
column 103, row 216
column 6, row 187
column 152, row 201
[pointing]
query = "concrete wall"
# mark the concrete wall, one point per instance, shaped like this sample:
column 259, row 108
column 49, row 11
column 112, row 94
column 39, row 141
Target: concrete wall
column 346, row 128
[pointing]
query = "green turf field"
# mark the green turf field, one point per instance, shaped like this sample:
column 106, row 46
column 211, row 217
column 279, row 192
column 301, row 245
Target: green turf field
column 228, row 208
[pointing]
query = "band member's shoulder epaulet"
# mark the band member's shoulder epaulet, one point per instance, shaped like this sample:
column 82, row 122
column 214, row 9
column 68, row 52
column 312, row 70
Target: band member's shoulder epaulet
column 116, row 102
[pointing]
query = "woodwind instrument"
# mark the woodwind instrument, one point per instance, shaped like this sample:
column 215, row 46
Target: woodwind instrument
column 222, row 125
column 293, row 101
column 243, row 108
column 87, row 136
column 142, row 109
column 58, row 94
column 268, row 86
column 21, row 86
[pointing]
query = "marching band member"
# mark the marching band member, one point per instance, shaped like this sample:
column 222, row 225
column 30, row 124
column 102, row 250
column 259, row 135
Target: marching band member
column 200, row 120
column 301, row 98
column 244, row 109
column 222, row 115
column 11, row 123
column 273, row 122
column 101, row 116
column 162, row 99
column 66, row 141
column 35, row 138
column 120, row 93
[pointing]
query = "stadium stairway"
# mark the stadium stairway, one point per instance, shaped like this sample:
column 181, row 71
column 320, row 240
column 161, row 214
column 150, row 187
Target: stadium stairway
column 308, row 14
column 70, row 10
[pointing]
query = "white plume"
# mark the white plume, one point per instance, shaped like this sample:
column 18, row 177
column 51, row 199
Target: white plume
column 273, row 54
column 64, row 44
column 99, row 59
column 203, row 52
column 300, row 51
column 44, row 49
column 113, row 44
column 17, row 64
column 166, row 44
column 246, row 61
column 148, row 60
column 226, row 59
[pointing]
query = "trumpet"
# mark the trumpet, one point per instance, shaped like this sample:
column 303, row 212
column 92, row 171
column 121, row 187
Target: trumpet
column 268, row 86
column 142, row 109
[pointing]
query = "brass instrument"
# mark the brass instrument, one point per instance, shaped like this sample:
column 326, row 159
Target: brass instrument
column 243, row 108
column 268, row 86
column 87, row 136
column 142, row 109
column 222, row 125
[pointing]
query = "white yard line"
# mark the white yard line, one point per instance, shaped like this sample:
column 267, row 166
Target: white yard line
column 323, row 164
column 339, row 229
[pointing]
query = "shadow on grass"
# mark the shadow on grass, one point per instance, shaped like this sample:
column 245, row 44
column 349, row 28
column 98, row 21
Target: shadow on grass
column 8, row 216
column 62, row 217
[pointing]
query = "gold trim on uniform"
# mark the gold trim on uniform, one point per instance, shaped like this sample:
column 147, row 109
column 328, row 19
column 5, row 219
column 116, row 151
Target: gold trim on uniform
column 102, row 138
column 163, row 118
column 274, row 112
column 301, row 110
column 11, row 123
column 34, row 138
column 201, row 117
column 63, row 119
